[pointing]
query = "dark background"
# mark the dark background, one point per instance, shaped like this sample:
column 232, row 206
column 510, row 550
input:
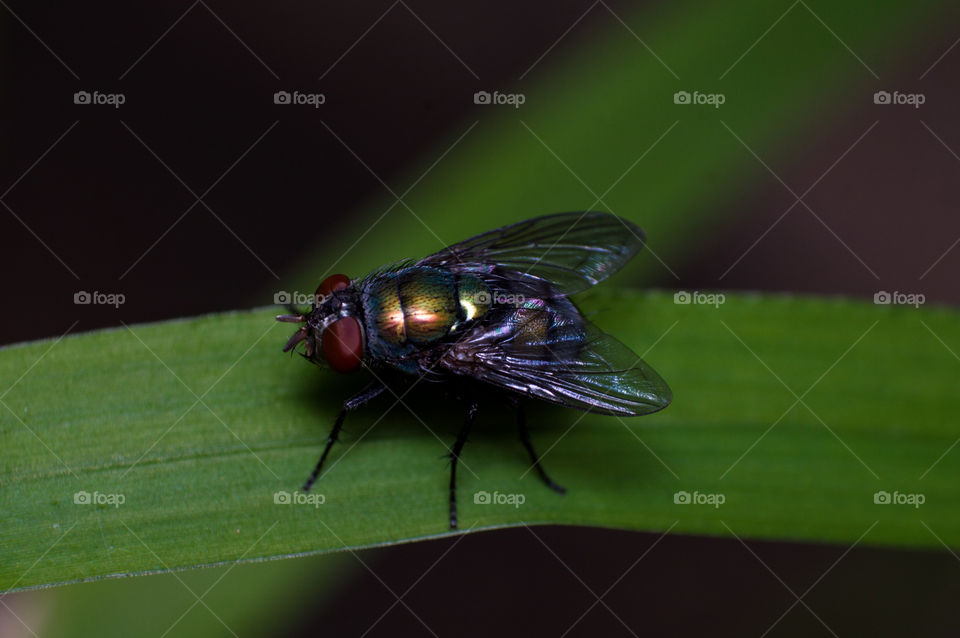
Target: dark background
column 98, row 198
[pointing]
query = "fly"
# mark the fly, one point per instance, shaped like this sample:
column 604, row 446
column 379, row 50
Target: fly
column 493, row 309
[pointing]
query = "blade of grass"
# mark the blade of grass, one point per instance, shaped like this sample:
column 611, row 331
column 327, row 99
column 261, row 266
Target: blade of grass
column 116, row 413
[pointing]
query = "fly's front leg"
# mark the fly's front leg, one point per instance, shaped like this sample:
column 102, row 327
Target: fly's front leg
column 455, row 456
column 354, row 402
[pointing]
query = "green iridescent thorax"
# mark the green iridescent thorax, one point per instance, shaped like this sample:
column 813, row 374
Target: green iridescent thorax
column 420, row 304
column 473, row 296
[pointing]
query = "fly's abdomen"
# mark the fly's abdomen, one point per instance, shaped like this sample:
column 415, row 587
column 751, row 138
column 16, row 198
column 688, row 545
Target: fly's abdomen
column 419, row 305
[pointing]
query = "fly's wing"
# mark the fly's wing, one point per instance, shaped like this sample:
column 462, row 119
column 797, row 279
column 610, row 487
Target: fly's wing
column 558, row 254
column 584, row 368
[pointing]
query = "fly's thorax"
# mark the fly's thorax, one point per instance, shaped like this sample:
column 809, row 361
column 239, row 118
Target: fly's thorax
column 428, row 300
column 474, row 297
column 420, row 305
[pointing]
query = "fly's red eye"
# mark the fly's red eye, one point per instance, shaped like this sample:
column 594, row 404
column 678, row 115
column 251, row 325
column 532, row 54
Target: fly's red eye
column 343, row 344
column 331, row 284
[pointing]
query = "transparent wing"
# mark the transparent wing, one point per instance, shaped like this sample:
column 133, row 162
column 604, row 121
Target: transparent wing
column 558, row 254
column 584, row 368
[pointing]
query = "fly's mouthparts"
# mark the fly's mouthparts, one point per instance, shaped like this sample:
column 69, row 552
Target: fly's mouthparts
column 291, row 318
column 297, row 337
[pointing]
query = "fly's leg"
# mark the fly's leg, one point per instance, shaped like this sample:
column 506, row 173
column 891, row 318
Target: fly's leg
column 354, row 402
column 455, row 456
column 525, row 439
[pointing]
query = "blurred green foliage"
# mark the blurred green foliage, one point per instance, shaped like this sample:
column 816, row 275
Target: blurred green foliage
column 600, row 130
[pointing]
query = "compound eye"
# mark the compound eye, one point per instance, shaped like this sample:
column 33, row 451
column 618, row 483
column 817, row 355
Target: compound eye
column 342, row 344
column 331, row 284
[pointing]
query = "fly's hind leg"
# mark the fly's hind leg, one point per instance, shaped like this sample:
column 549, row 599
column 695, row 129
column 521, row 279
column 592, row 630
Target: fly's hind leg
column 534, row 459
column 354, row 402
column 455, row 456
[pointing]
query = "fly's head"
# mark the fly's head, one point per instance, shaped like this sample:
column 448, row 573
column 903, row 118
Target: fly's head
column 331, row 332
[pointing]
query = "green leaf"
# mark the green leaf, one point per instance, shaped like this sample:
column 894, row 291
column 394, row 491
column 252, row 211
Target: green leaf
column 198, row 423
